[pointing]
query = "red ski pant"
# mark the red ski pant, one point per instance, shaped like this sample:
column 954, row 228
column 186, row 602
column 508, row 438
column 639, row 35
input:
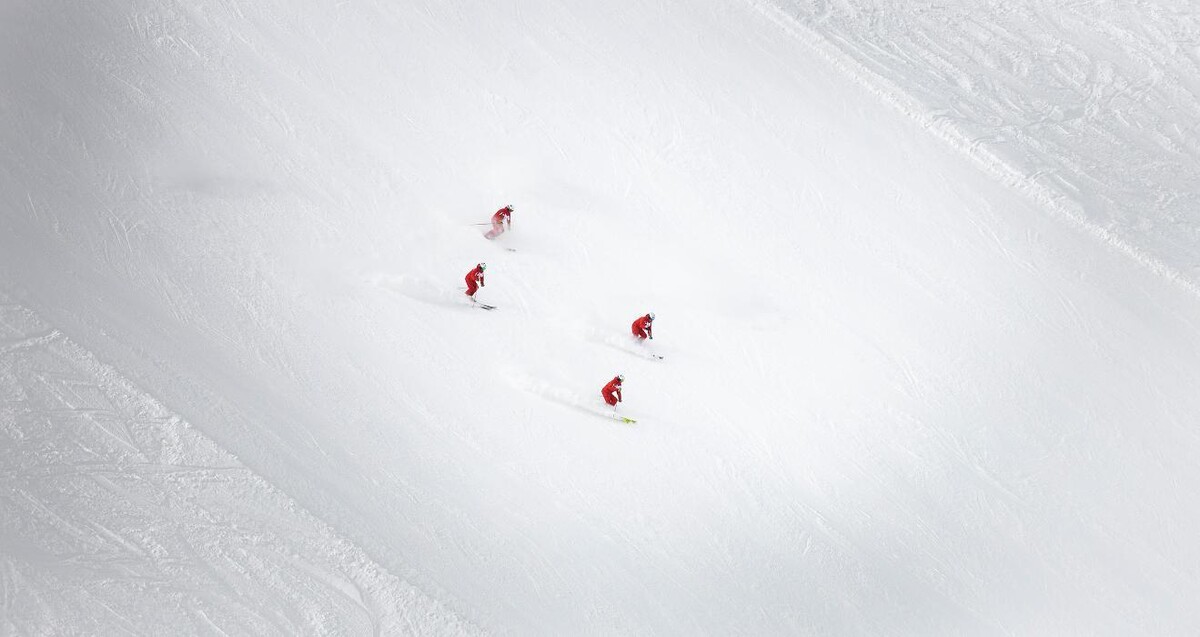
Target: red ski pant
column 609, row 398
column 497, row 230
column 640, row 333
column 472, row 288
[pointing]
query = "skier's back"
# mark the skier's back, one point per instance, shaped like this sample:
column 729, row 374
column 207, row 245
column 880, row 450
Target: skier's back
column 502, row 218
column 612, row 391
column 475, row 280
column 643, row 327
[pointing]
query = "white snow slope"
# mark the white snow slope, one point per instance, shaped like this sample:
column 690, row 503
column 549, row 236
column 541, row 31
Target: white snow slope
column 909, row 386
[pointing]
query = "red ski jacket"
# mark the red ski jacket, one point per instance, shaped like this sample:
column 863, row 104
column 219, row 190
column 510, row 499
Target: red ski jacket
column 643, row 327
column 502, row 215
column 475, row 277
column 612, row 391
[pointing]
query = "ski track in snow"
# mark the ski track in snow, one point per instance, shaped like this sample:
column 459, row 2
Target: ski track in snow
column 564, row 396
column 116, row 516
column 610, row 336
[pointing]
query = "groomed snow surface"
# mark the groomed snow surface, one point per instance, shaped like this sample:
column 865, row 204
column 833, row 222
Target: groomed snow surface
column 924, row 278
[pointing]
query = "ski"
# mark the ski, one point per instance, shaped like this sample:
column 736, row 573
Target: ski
column 484, row 306
column 646, row 355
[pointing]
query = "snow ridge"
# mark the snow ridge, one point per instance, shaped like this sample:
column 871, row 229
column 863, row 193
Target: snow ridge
column 118, row 516
column 977, row 148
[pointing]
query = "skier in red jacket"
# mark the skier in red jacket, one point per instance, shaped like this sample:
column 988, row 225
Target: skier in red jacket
column 475, row 280
column 502, row 217
column 643, row 328
column 612, row 391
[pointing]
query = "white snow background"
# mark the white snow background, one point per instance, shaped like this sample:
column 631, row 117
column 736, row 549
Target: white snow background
column 925, row 278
